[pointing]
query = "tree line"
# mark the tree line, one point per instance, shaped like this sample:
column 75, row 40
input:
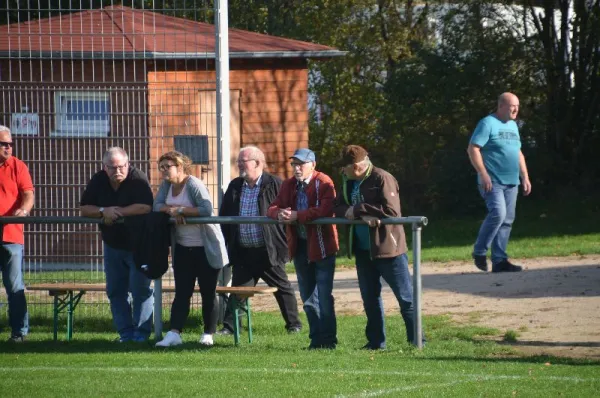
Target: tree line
column 420, row 74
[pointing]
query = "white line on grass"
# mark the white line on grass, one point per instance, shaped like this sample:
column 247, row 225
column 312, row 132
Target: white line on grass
column 574, row 379
column 377, row 393
column 469, row 378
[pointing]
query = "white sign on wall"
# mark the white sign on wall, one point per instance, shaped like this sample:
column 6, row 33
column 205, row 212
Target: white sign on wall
column 24, row 123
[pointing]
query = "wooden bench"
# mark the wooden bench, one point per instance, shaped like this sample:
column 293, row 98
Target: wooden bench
column 67, row 296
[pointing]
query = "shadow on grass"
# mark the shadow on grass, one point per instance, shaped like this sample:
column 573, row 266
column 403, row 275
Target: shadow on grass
column 558, row 281
column 536, row 359
column 94, row 324
column 535, row 343
column 93, row 345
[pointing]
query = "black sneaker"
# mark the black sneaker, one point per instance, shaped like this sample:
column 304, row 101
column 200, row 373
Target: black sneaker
column 16, row 339
column 312, row 347
column 480, row 262
column 506, row 266
column 224, row 332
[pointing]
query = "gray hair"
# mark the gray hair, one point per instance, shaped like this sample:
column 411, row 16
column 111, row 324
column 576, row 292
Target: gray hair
column 112, row 151
column 255, row 153
column 4, row 129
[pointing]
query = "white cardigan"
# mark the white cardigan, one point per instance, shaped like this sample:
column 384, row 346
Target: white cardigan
column 214, row 243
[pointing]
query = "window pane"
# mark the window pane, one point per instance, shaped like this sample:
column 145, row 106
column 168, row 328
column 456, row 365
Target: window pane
column 81, row 110
column 82, row 113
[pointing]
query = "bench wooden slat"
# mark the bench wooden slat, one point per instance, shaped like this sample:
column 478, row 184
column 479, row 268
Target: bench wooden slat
column 70, row 300
column 242, row 291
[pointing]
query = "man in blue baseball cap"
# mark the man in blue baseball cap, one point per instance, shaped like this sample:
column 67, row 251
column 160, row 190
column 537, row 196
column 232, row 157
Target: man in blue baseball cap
column 305, row 197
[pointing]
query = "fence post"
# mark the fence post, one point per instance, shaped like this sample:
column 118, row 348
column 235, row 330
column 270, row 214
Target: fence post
column 158, row 309
column 416, row 247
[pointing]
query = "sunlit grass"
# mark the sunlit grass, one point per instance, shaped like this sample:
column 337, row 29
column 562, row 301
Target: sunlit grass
column 457, row 361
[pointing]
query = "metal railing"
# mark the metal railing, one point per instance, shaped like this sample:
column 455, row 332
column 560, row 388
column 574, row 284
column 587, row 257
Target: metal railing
column 416, row 222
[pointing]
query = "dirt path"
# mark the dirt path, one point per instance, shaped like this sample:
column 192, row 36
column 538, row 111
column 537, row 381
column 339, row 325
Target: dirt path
column 554, row 304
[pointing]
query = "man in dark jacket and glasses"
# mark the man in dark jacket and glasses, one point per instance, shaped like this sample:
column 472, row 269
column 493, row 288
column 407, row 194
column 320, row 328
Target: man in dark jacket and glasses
column 257, row 251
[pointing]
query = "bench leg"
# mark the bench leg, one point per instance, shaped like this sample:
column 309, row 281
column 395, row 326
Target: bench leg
column 236, row 305
column 65, row 301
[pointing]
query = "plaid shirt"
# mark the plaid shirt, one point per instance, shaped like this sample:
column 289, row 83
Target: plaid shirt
column 251, row 235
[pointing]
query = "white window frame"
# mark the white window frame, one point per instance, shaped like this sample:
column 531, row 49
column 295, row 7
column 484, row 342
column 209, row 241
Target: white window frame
column 80, row 128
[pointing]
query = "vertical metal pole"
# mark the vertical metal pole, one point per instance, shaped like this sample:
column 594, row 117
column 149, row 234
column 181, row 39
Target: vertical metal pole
column 158, row 309
column 223, row 115
column 223, row 107
column 249, row 315
column 416, row 247
column 56, row 304
column 235, row 305
column 70, row 316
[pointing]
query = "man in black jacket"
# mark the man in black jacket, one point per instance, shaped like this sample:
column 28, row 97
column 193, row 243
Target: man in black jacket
column 257, row 251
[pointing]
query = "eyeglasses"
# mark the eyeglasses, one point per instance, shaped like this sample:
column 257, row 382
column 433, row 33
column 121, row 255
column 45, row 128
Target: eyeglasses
column 166, row 167
column 6, row 144
column 112, row 169
column 294, row 164
column 241, row 161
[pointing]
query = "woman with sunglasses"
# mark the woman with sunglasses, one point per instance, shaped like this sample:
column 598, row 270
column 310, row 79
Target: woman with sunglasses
column 198, row 250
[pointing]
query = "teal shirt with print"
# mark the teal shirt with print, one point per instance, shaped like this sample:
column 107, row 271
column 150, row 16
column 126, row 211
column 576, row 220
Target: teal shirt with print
column 500, row 144
column 361, row 231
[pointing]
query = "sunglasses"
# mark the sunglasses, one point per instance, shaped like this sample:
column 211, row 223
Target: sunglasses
column 6, row 144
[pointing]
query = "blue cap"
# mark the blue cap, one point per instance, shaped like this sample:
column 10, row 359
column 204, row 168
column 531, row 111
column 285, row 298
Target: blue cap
column 304, row 155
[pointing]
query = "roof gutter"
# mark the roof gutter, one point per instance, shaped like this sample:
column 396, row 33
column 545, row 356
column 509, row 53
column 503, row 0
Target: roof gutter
column 24, row 54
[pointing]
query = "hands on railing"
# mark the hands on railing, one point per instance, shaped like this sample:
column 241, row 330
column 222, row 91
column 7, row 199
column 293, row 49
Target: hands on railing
column 415, row 220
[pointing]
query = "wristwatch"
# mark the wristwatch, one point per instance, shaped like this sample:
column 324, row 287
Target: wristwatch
column 101, row 210
column 180, row 210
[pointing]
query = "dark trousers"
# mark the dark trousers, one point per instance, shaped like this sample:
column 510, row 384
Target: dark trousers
column 254, row 265
column 191, row 264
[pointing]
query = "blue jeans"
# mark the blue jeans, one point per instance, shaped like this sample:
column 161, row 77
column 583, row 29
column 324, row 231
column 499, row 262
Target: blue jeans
column 11, row 261
column 123, row 277
column 315, row 283
column 394, row 271
column 501, row 202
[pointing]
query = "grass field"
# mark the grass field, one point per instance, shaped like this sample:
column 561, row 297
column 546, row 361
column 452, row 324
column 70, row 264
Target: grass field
column 457, row 361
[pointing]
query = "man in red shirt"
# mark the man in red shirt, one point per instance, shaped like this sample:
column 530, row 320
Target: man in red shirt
column 16, row 199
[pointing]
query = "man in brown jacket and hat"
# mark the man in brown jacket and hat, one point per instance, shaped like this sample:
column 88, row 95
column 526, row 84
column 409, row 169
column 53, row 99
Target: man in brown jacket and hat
column 370, row 193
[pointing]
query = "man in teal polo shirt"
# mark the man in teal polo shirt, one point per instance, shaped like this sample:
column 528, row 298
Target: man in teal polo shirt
column 495, row 153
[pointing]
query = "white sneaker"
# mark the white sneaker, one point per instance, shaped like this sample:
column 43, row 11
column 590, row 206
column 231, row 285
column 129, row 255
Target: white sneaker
column 171, row 339
column 206, row 339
